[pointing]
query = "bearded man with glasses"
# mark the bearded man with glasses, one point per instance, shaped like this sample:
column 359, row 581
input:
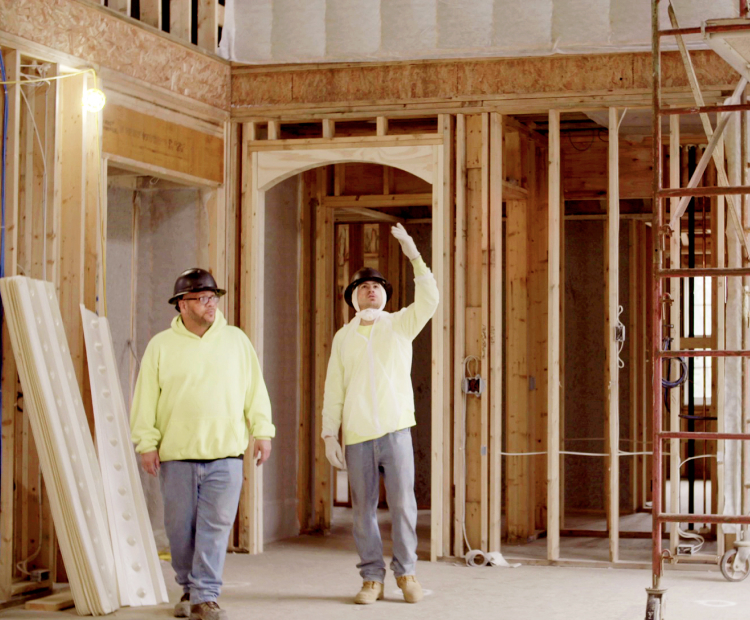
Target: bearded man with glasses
column 199, row 397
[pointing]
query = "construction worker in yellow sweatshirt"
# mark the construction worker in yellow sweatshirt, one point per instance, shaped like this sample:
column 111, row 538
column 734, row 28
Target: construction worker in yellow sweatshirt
column 368, row 392
column 199, row 397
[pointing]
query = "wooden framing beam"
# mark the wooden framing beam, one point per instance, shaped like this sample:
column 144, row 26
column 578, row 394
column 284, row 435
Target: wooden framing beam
column 121, row 6
column 519, row 485
column 382, row 125
column 476, row 283
column 612, row 370
column 428, row 139
column 459, row 346
column 553, row 341
column 151, row 13
column 496, row 330
column 324, row 237
column 537, row 161
column 674, row 314
column 446, row 214
column 250, row 537
column 180, row 19
column 12, row 61
column 208, row 32
column 375, row 201
column 361, row 214
column 73, row 190
column 485, row 315
column 305, row 217
column 440, row 336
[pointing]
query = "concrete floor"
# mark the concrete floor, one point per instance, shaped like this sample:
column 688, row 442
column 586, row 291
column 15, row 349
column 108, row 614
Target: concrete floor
column 314, row 577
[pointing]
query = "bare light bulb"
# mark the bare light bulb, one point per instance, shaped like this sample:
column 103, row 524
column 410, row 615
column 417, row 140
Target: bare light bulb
column 94, row 100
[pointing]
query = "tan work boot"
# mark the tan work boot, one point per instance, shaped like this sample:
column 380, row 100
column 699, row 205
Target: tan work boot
column 182, row 609
column 207, row 611
column 371, row 591
column 411, row 588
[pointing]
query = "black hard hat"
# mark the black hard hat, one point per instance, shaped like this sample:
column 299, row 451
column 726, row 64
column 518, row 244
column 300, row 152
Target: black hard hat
column 194, row 280
column 367, row 274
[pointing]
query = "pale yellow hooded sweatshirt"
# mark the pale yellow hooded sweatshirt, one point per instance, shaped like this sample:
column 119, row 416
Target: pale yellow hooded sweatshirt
column 368, row 386
column 199, row 398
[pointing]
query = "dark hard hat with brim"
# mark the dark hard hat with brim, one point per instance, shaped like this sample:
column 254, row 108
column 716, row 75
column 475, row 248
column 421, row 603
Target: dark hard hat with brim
column 194, row 280
column 367, row 274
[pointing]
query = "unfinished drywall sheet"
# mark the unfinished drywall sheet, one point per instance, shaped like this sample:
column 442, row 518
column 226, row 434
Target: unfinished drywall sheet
column 167, row 228
column 119, row 278
column 284, row 31
column 169, row 241
column 584, row 429
column 584, row 364
column 421, row 376
column 280, row 359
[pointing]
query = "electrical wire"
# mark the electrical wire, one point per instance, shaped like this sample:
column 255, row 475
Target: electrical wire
column 467, row 360
column 621, row 341
column 47, row 79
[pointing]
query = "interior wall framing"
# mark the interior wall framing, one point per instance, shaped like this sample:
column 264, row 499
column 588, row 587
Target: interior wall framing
column 57, row 178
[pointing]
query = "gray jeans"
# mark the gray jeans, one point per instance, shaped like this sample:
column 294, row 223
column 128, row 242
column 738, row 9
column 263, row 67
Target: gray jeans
column 394, row 453
column 200, row 503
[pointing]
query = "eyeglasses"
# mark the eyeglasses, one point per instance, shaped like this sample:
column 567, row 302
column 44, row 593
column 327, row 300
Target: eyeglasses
column 204, row 299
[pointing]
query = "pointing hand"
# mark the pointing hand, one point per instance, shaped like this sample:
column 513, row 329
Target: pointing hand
column 408, row 246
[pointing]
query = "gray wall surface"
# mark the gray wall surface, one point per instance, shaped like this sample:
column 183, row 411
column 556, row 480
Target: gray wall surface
column 280, row 359
column 584, row 365
column 169, row 232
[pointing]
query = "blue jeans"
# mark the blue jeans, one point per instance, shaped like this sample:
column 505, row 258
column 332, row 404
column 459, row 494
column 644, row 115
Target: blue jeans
column 200, row 503
column 394, row 453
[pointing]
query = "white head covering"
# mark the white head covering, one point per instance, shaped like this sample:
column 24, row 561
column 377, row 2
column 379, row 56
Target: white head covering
column 369, row 314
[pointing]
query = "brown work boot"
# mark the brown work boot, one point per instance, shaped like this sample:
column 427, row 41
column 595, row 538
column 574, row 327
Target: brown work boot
column 371, row 591
column 207, row 611
column 182, row 609
column 411, row 588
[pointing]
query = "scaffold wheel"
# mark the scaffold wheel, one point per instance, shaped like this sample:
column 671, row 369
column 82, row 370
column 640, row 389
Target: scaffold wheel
column 734, row 571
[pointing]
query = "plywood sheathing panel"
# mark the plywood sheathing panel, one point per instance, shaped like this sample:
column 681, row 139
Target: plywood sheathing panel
column 158, row 142
column 584, row 162
column 100, row 38
column 461, row 80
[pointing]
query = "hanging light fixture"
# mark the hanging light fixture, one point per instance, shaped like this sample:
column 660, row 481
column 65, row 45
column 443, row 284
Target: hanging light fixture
column 94, row 100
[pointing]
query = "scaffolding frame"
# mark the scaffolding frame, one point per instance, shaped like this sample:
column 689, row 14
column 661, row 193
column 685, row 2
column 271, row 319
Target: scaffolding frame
column 663, row 232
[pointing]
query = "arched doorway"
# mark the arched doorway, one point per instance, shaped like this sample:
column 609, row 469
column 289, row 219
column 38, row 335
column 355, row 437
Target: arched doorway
column 264, row 170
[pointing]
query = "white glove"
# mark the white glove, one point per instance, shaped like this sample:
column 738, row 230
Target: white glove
column 334, row 454
column 407, row 243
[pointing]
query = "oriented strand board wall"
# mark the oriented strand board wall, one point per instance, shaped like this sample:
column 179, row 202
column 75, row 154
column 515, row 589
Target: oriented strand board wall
column 584, row 166
column 102, row 39
column 560, row 76
column 157, row 142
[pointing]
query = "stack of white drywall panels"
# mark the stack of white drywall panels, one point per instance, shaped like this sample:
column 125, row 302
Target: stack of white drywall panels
column 61, row 432
column 139, row 576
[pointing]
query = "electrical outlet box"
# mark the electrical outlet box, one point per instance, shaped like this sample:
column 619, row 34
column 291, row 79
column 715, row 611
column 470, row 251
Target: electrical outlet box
column 39, row 574
column 685, row 549
column 473, row 385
